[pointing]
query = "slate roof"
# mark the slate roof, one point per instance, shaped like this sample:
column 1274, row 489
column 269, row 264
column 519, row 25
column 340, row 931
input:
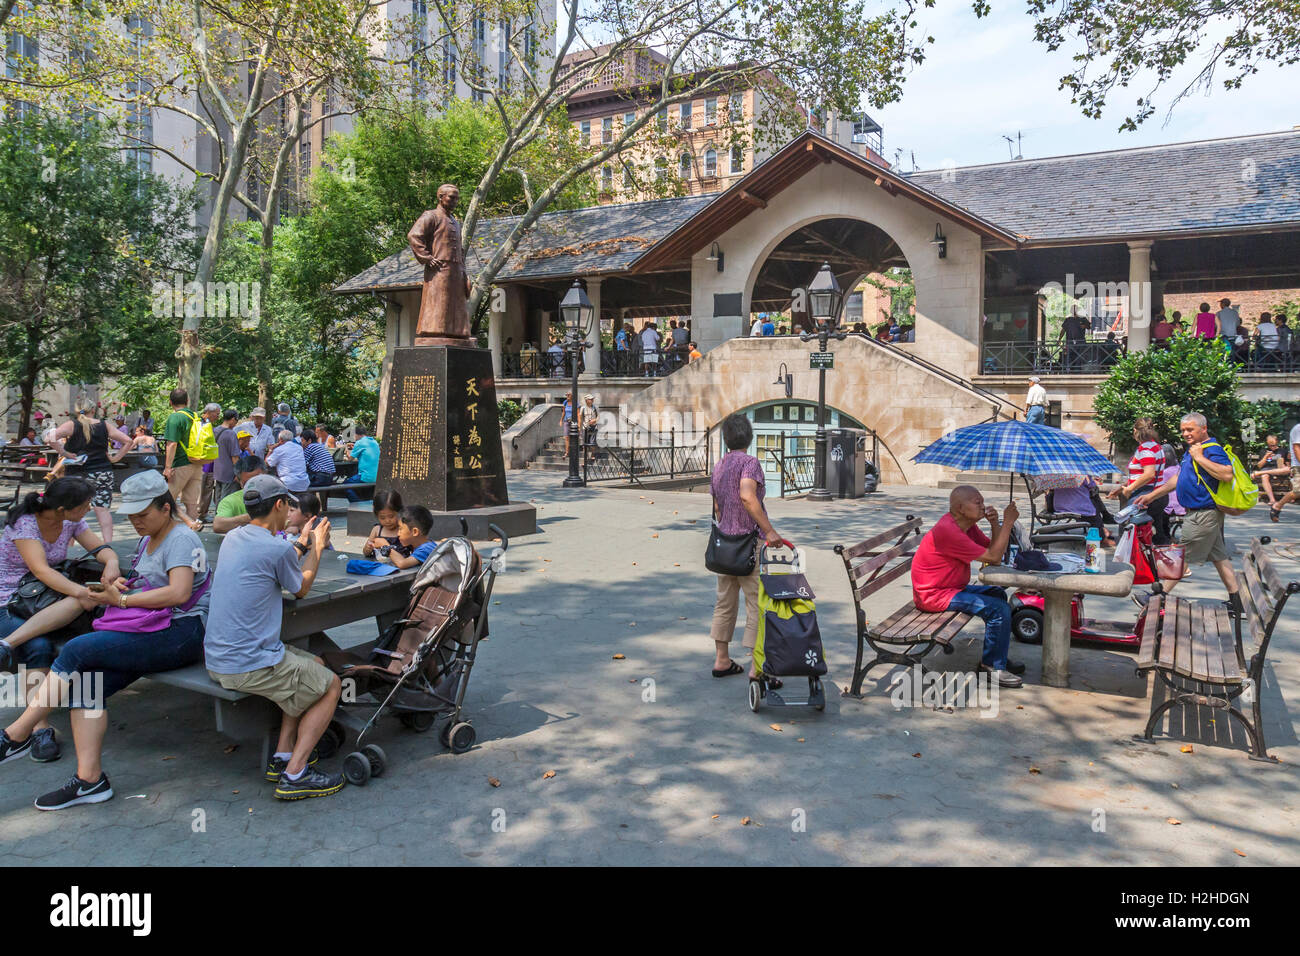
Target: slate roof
column 1243, row 182
column 1182, row 187
column 597, row 239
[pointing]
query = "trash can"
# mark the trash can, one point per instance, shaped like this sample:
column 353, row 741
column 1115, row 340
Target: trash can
column 846, row 461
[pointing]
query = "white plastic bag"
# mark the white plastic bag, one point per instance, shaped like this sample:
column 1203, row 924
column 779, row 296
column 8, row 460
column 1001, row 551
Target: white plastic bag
column 1124, row 548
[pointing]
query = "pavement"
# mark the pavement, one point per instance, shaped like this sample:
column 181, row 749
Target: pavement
column 587, row 757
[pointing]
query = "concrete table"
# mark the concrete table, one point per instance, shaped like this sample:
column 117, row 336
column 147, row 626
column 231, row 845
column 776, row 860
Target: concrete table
column 1057, row 588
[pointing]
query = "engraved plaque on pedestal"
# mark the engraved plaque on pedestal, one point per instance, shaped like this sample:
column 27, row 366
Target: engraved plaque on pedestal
column 441, row 446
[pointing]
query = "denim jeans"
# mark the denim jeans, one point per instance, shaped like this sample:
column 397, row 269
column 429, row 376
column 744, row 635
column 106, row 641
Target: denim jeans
column 990, row 603
column 125, row 657
column 354, row 495
column 36, row 653
column 1036, row 415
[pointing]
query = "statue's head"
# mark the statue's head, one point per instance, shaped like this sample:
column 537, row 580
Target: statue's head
column 448, row 196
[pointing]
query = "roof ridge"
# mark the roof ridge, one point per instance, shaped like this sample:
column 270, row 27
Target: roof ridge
column 1294, row 131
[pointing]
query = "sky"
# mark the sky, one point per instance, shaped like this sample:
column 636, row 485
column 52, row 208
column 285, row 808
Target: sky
column 985, row 78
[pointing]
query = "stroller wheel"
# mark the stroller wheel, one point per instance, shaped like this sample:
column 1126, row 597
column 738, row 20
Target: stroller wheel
column 377, row 759
column 332, row 740
column 461, row 737
column 356, row 769
column 755, row 695
column 444, row 735
column 420, row 721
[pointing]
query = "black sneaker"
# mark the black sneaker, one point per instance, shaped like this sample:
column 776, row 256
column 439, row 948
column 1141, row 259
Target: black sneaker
column 1015, row 667
column 313, row 783
column 276, row 766
column 12, row 751
column 45, row 745
column 76, row 791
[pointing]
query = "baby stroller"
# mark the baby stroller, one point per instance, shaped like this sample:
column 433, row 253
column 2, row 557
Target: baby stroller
column 419, row 667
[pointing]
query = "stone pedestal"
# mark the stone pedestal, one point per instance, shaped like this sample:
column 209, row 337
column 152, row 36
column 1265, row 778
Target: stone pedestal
column 441, row 446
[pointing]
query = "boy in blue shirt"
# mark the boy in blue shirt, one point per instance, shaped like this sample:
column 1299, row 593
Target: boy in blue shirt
column 1205, row 465
column 413, row 527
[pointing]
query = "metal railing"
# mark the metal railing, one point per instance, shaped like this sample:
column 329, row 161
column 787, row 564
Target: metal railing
column 614, row 363
column 992, row 398
column 1048, row 358
column 633, row 463
column 796, row 473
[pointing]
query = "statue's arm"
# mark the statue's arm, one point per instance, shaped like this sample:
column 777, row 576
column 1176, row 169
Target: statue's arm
column 420, row 237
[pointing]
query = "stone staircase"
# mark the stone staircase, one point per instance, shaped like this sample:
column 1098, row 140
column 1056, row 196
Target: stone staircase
column 988, row 482
column 552, row 458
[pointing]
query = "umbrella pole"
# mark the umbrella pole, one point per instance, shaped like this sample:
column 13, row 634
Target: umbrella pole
column 1011, row 488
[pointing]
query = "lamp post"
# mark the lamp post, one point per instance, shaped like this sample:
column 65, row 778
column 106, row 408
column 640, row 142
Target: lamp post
column 824, row 300
column 577, row 311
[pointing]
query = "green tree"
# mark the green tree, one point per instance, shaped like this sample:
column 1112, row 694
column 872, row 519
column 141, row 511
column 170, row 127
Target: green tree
column 1192, row 43
column 82, row 236
column 1192, row 375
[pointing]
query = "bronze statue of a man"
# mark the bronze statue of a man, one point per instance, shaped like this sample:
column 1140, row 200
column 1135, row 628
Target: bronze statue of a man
column 435, row 240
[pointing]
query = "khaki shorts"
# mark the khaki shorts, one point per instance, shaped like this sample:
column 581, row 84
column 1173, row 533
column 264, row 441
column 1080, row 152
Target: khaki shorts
column 1203, row 536
column 294, row 684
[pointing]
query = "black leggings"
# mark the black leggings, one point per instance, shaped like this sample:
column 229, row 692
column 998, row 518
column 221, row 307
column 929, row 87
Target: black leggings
column 1159, row 520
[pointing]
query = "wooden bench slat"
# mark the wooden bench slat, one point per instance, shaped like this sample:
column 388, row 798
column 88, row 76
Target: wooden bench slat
column 1183, row 639
column 953, row 627
column 1168, row 633
column 1201, row 625
column 921, row 625
column 897, row 630
column 866, row 547
column 1150, row 632
column 1269, row 573
column 878, row 561
column 1249, row 577
column 1229, row 670
column 893, row 574
column 894, row 619
column 1251, row 611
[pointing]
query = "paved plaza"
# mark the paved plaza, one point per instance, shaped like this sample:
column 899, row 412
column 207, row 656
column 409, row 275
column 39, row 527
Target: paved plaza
column 647, row 759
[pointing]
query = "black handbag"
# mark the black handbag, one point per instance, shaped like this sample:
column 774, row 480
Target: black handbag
column 734, row 554
column 34, row 595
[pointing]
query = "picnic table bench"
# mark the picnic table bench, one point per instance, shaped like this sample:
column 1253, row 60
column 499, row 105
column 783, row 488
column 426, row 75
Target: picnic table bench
column 1196, row 648
column 336, row 598
column 907, row 635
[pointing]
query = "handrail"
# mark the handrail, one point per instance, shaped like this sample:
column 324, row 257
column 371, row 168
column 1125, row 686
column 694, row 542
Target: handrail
column 942, row 372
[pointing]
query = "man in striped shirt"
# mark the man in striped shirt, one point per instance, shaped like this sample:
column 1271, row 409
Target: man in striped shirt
column 320, row 463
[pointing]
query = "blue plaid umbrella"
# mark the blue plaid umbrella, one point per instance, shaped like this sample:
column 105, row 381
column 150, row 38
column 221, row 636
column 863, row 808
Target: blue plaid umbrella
column 1017, row 447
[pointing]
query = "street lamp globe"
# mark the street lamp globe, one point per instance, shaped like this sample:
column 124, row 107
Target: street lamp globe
column 825, row 298
column 577, row 310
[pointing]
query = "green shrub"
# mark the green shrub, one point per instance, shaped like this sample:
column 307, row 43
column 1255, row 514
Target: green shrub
column 509, row 411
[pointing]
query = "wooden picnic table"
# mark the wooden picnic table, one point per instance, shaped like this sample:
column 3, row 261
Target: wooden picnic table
column 1058, row 589
column 336, row 599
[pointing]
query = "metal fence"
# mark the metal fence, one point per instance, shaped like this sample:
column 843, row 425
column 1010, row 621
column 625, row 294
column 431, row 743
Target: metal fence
column 634, row 463
column 797, row 473
column 1064, row 358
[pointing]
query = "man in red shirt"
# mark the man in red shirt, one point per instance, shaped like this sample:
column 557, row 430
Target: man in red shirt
column 941, row 575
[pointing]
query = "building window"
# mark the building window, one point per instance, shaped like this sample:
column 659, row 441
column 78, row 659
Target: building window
column 530, row 44
column 737, row 159
column 684, row 166
column 628, row 119
column 685, row 114
column 584, row 135
column 607, row 130
column 663, row 120
column 449, row 65
column 20, row 51
column 661, row 169
column 607, row 178
column 479, row 27
column 710, row 162
column 629, row 178
column 735, row 107
column 711, row 111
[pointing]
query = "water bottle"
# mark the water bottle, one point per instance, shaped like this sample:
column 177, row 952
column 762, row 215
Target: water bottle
column 1093, row 563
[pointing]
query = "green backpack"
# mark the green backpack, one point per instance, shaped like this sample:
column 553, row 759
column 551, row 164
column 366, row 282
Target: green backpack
column 1237, row 496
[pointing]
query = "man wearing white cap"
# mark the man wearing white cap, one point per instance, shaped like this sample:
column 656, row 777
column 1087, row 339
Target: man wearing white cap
column 1036, row 402
column 260, row 430
column 242, row 644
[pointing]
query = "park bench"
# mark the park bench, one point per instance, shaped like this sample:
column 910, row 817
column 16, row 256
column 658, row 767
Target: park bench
column 1196, row 648
column 907, row 635
column 323, row 492
column 12, row 476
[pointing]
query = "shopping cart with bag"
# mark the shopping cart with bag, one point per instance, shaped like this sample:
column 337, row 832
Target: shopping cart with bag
column 789, row 642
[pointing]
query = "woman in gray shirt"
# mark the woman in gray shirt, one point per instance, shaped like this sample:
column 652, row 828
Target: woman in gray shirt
column 169, row 572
